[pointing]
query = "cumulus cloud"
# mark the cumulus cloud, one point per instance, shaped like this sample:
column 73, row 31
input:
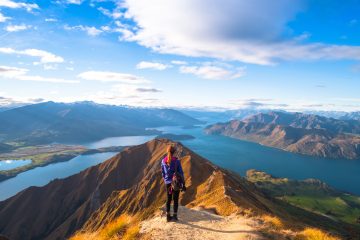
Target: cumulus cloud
column 51, row 20
column 11, row 4
column 214, row 72
column 44, row 56
column 258, row 103
column 77, row 2
column 127, row 94
column 247, row 31
column 3, row 18
column 104, row 76
column 148, row 90
column 115, row 14
column 21, row 74
column 151, row 65
column 91, row 31
column 11, row 72
column 17, row 28
column 177, row 62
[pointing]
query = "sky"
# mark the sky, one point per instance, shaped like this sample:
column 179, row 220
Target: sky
column 221, row 54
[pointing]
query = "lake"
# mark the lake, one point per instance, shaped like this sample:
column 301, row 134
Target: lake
column 40, row 176
column 233, row 154
column 119, row 141
column 11, row 164
column 240, row 156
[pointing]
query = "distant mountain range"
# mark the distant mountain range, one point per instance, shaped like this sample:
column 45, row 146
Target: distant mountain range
column 224, row 115
column 352, row 115
column 297, row 132
column 240, row 114
column 83, row 121
column 306, row 121
column 131, row 183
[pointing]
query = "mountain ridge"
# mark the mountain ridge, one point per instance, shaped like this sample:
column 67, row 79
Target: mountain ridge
column 131, row 183
column 49, row 122
column 294, row 133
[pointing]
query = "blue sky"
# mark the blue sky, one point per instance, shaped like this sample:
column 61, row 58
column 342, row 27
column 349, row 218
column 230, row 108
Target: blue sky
column 290, row 54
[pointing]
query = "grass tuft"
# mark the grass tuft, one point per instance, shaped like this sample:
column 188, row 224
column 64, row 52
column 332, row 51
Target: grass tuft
column 314, row 234
column 115, row 228
column 124, row 227
column 274, row 222
column 131, row 233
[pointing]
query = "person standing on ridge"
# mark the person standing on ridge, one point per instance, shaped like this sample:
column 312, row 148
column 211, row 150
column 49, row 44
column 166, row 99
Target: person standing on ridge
column 173, row 176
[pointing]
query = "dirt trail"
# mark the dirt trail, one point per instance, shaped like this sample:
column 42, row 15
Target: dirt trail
column 198, row 224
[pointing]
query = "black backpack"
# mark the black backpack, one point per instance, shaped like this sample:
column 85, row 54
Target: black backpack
column 177, row 183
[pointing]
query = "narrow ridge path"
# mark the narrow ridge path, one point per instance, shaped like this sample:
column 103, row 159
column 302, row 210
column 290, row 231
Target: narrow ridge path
column 197, row 224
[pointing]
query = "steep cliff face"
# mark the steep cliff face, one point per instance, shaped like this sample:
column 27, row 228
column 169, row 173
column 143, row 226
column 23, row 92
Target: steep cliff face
column 129, row 182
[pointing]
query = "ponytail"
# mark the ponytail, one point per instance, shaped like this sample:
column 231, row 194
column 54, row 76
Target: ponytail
column 170, row 153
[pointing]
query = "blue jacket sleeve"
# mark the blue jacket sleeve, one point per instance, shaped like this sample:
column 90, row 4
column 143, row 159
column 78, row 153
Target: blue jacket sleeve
column 180, row 170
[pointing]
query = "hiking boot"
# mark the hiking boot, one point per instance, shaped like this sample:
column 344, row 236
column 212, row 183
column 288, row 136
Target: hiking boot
column 174, row 217
column 168, row 217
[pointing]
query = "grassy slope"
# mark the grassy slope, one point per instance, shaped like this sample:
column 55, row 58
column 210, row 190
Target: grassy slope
column 311, row 195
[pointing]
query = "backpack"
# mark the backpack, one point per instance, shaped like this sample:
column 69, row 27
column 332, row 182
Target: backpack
column 177, row 181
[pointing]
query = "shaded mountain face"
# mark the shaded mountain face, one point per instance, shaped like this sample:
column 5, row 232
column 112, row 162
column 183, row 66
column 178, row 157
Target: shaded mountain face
column 294, row 133
column 84, row 121
column 131, row 183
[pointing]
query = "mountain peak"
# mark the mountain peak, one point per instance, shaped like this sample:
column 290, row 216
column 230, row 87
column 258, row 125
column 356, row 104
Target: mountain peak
column 128, row 182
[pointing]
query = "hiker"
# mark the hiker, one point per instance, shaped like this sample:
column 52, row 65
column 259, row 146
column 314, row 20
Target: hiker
column 173, row 176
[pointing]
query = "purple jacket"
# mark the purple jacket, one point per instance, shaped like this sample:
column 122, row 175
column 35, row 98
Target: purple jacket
column 168, row 171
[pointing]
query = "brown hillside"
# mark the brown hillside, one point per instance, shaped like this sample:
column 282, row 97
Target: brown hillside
column 130, row 182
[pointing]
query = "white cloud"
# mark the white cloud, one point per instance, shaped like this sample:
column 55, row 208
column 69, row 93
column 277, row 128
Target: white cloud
column 21, row 74
column 3, row 18
column 247, row 31
column 11, row 72
column 103, row 76
column 50, row 67
column 214, row 72
column 115, row 14
column 44, row 56
column 148, row 90
column 151, row 65
column 126, row 94
column 91, row 31
column 177, row 62
column 11, row 4
column 51, row 20
column 77, row 2
column 17, row 28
